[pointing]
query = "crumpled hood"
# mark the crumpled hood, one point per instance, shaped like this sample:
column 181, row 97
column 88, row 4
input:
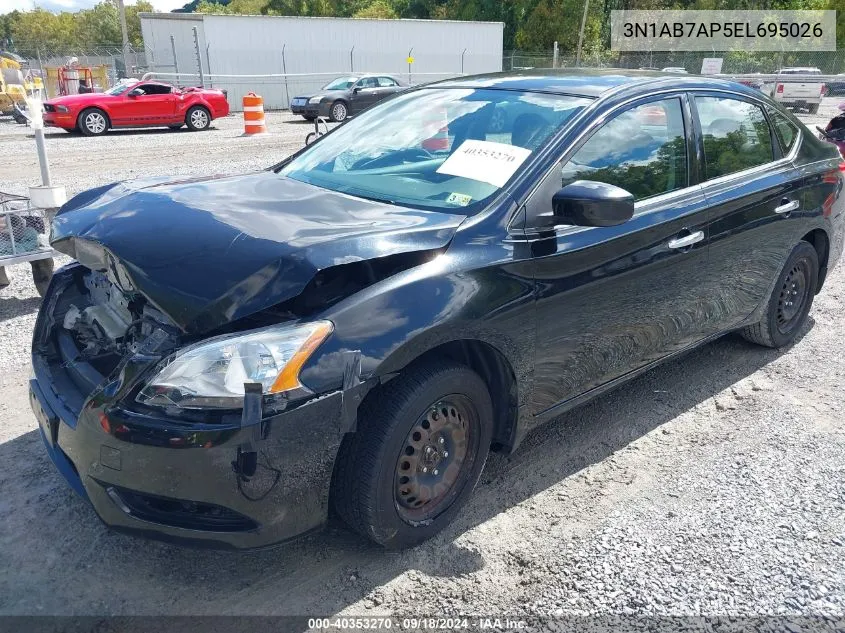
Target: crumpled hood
column 207, row 251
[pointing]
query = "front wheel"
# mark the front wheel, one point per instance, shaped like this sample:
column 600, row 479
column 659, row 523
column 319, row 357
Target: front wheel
column 339, row 111
column 790, row 301
column 197, row 119
column 42, row 273
column 416, row 456
column 93, row 122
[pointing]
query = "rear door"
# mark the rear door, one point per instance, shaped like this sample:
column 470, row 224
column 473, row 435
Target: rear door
column 612, row 300
column 754, row 194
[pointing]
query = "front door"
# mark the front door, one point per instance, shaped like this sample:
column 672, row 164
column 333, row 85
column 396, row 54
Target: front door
column 365, row 94
column 156, row 106
column 614, row 299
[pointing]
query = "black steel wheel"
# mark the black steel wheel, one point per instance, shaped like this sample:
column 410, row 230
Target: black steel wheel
column 431, row 462
column 421, row 443
column 790, row 301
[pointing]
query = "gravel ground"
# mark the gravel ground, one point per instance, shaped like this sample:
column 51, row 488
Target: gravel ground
column 714, row 485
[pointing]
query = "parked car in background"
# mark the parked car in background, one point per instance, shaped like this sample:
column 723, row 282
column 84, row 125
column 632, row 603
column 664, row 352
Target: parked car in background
column 136, row 104
column 346, row 96
column 837, row 87
column 797, row 93
column 358, row 326
column 675, row 69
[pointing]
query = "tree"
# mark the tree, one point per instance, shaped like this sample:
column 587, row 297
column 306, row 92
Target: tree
column 380, row 9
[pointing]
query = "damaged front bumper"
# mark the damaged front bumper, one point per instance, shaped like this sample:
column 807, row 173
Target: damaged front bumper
column 169, row 478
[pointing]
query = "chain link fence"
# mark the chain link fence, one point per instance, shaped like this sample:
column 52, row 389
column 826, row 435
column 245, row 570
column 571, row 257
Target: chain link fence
column 734, row 62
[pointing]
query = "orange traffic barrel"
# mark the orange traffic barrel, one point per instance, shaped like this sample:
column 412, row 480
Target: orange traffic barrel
column 253, row 114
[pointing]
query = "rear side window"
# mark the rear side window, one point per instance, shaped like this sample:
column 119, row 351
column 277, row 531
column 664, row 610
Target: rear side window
column 386, row 82
column 736, row 135
column 785, row 130
column 643, row 150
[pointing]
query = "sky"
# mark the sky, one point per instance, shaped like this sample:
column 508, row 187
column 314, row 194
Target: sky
column 76, row 5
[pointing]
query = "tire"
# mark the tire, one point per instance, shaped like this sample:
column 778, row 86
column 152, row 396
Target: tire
column 93, row 122
column 813, row 109
column 339, row 111
column 42, row 273
column 308, row 117
column 790, row 301
column 197, row 119
column 4, row 278
column 402, row 428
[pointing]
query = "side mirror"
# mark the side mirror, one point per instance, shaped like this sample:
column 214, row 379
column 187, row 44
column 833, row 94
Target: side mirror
column 356, row 90
column 135, row 92
column 589, row 203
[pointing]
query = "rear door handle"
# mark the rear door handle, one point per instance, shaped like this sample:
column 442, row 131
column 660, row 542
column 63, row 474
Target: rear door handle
column 786, row 206
column 686, row 241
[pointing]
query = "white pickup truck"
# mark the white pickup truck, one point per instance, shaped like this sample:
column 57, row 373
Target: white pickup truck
column 797, row 92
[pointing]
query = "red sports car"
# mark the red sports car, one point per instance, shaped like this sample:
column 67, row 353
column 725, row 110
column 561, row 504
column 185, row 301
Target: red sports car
column 138, row 104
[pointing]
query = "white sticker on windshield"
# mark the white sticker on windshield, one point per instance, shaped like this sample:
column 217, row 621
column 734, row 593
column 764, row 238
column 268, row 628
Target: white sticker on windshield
column 485, row 161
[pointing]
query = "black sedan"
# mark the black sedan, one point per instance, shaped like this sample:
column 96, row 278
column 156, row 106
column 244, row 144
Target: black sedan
column 358, row 326
column 345, row 96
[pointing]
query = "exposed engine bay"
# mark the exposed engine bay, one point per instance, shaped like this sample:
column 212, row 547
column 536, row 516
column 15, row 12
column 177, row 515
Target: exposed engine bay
column 107, row 322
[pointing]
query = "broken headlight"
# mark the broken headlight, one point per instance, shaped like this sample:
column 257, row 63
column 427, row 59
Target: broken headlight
column 211, row 374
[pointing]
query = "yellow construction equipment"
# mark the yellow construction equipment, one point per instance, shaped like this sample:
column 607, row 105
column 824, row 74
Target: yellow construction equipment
column 12, row 83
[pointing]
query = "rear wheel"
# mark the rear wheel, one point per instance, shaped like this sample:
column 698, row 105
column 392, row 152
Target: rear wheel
column 814, row 109
column 93, row 122
column 418, row 452
column 790, row 301
column 197, row 119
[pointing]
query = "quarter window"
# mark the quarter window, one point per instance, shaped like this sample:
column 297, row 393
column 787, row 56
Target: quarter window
column 785, row 131
column 736, row 135
column 642, row 150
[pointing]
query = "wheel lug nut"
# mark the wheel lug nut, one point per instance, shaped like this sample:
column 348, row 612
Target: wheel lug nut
column 436, row 472
column 442, row 441
column 425, row 470
column 445, row 453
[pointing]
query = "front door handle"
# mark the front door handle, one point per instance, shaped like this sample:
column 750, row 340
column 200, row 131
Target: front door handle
column 786, row 206
column 686, row 241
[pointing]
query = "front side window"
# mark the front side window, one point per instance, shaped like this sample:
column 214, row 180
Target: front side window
column 736, row 135
column 439, row 148
column 155, row 89
column 642, row 150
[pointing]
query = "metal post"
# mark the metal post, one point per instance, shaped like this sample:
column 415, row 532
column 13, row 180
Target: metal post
column 285, row 72
column 175, row 62
column 351, row 65
column 42, row 156
column 554, row 55
column 208, row 65
column 409, row 64
column 125, row 34
column 581, row 33
column 199, row 57
column 462, row 60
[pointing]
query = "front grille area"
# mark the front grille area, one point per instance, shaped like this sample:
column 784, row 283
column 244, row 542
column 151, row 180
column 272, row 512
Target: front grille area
column 191, row 515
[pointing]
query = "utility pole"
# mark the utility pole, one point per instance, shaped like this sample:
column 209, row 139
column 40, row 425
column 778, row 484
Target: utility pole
column 581, row 34
column 122, row 11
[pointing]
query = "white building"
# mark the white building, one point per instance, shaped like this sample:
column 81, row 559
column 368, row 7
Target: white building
column 311, row 51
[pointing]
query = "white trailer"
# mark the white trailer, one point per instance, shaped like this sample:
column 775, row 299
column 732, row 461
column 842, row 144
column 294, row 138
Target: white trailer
column 241, row 54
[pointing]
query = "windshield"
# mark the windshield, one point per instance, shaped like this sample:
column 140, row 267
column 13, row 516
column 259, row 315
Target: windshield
column 120, row 88
column 341, row 83
column 438, row 148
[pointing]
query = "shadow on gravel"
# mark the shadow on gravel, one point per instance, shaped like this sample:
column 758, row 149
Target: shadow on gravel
column 11, row 307
column 152, row 131
column 55, row 544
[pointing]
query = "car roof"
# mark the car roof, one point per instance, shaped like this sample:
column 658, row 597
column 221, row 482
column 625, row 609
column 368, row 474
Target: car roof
column 589, row 82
